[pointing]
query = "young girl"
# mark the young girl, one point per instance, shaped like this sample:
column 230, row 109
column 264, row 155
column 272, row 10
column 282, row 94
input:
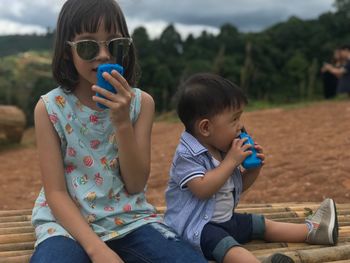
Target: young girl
column 95, row 163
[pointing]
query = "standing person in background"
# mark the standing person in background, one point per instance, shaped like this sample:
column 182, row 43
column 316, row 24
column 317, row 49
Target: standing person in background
column 343, row 72
column 330, row 81
column 95, row 163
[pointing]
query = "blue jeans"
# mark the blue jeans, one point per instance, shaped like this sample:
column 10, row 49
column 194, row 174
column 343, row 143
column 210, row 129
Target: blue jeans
column 152, row 243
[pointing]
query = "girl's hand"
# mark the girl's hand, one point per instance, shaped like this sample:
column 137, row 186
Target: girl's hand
column 238, row 152
column 119, row 103
column 106, row 255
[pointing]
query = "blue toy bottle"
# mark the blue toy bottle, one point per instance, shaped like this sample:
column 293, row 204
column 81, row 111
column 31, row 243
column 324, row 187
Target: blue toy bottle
column 101, row 82
column 252, row 161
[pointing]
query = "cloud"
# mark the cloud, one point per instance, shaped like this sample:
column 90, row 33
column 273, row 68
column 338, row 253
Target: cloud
column 246, row 15
column 8, row 27
column 187, row 16
column 155, row 28
column 41, row 13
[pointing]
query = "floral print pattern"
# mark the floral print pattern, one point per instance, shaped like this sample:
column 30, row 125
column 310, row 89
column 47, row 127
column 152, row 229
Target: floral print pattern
column 91, row 170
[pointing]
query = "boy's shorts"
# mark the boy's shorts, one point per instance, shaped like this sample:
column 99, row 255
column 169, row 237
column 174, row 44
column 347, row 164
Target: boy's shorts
column 218, row 238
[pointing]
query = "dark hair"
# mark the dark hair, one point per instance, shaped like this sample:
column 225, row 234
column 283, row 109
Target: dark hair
column 345, row 47
column 205, row 95
column 78, row 16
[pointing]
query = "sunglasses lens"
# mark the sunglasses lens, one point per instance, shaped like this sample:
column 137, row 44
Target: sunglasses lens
column 119, row 48
column 87, row 50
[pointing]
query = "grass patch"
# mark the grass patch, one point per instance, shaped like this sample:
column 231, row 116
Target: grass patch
column 255, row 105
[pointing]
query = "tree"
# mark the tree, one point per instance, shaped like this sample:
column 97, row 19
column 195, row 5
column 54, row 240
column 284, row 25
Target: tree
column 170, row 42
column 342, row 6
column 142, row 42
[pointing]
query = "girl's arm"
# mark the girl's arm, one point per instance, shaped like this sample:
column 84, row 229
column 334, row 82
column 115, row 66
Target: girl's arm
column 134, row 143
column 338, row 72
column 63, row 208
column 133, row 140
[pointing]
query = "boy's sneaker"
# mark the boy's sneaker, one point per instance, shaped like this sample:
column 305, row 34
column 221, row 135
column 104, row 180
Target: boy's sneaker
column 324, row 224
column 278, row 258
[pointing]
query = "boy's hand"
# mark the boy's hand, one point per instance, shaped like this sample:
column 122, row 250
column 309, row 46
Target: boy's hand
column 238, row 152
column 260, row 152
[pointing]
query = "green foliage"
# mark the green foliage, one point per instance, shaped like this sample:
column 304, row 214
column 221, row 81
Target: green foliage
column 342, row 5
column 13, row 44
column 23, row 78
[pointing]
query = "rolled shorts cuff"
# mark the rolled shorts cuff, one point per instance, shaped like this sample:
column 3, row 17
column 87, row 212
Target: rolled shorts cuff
column 222, row 247
column 258, row 223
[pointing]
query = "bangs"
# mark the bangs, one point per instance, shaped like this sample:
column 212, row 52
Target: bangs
column 89, row 19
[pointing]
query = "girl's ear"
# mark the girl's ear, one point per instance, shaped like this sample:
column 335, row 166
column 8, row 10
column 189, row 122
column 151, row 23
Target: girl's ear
column 204, row 127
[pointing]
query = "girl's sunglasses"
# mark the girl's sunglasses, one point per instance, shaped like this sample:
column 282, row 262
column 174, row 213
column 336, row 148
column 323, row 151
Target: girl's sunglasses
column 88, row 49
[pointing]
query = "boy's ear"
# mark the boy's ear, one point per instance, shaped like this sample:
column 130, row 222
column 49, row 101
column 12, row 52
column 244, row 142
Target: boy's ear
column 204, row 127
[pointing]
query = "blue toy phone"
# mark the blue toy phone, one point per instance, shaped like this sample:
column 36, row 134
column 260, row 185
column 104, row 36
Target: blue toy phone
column 252, row 161
column 104, row 83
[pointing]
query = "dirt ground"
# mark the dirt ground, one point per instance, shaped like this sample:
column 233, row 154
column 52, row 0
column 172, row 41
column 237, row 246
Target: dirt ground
column 307, row 158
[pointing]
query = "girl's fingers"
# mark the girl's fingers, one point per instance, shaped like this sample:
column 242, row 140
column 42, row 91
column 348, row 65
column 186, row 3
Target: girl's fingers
column 106, row 102
column 117, row 80
column 117, row 86
column 106, row 93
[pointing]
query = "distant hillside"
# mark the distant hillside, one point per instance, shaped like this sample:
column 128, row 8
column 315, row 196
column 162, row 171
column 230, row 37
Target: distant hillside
column 13, row 44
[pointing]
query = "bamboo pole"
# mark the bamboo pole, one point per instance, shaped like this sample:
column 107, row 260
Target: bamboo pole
column 342, row 209
column 16, row 238
column 323, row 254
column 15, row 253
column 15, row 212
column 17, row 246
column 17, row 234
column 19, row 259
column 15, row 224
column 16, row 230
column 20, row 218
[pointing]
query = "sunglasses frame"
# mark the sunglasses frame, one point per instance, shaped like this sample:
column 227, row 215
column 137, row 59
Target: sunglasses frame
column 106, row 43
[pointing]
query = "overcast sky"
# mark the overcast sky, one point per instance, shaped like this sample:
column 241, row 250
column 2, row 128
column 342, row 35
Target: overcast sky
column 188, row 16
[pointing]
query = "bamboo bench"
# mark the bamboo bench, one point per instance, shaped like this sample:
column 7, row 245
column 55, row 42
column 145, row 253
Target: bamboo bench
column 17, row 235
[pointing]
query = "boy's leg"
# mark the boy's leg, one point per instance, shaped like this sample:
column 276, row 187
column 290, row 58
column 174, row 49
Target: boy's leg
column 285, row 232
column 239, row 254
column 324, row 224
column 155, row 243
column 321, row 228
column 217, row 244
column 59, row 249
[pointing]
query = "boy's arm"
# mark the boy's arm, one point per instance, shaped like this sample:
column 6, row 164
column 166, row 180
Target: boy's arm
column 249, row 176
column 207, row 185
